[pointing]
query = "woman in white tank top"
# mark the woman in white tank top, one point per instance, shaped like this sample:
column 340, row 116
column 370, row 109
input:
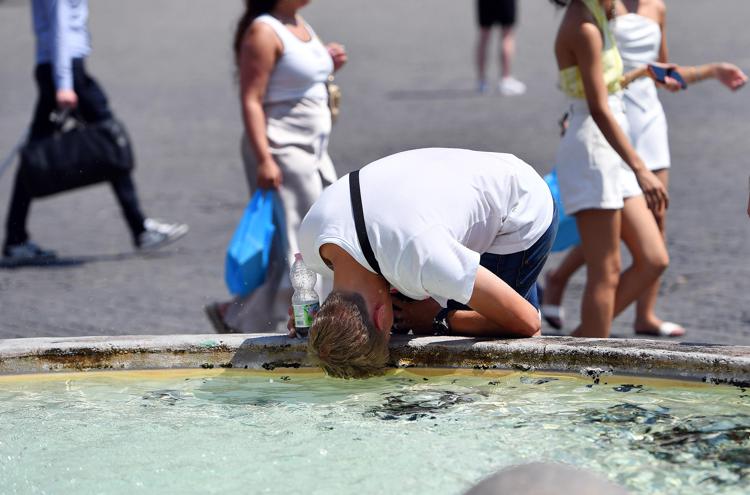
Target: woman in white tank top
column 639, row 32
column 283, row 68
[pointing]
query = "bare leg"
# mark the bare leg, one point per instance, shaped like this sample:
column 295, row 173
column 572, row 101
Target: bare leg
column 646, row 320
column 646, row 245
column 509, row 85
column 481, row 55
column 557, row 279
column 507, row 50
column 600, row 241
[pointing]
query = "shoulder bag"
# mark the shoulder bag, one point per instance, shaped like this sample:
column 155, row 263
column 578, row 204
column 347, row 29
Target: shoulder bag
column 77, row 154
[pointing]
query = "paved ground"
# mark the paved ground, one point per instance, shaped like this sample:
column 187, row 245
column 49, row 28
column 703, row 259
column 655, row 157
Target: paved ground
column 167, row 68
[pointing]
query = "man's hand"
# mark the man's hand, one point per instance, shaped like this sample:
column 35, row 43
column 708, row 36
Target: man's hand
column 415, row 315
column 66, row 99
column 338, row 55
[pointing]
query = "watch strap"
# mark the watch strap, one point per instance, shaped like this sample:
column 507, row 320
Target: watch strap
column 440, row 323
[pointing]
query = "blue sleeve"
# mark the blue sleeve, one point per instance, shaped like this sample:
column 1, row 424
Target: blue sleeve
column 62, row 62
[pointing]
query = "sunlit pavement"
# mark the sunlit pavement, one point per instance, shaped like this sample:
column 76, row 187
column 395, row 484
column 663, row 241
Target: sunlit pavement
column 167, row 67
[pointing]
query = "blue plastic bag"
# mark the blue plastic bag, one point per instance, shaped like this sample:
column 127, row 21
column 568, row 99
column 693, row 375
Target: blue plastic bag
column 567, row 232
column 248, row 253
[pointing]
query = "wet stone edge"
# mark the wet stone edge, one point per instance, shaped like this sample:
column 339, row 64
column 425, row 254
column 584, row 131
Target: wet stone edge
column 713, row 364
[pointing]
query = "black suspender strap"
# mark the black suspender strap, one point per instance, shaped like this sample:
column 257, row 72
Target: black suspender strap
column 359, row 221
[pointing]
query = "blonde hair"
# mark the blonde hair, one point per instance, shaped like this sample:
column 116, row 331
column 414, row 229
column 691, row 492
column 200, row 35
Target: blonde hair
column 344, row 340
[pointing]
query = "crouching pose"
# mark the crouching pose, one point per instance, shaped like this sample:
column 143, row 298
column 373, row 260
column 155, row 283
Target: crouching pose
column 459, row 236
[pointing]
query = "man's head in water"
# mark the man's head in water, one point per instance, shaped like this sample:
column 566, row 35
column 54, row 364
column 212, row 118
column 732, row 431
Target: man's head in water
column 346, row 338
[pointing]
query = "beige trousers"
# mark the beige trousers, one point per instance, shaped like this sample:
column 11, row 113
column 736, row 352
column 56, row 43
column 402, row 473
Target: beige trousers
column 298, row 134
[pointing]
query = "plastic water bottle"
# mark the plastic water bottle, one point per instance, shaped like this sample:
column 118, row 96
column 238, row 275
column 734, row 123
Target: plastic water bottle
column 305, row 301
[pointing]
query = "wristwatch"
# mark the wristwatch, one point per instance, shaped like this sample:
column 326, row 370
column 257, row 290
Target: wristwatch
column 440, row 324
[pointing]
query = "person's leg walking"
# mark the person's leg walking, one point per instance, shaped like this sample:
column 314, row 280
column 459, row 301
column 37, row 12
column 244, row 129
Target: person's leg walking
column 507, row 50
column 124, row 190
column 485, row 19
column 481, row 58
column 646, row 321
column 18, row 212
column 555, row 282
column 646, row 245
column 41, row 127
column 93, row 106
column 600, row 240
column 509, row 85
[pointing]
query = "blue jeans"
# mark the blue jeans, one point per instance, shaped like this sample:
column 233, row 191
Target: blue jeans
column 520, row 270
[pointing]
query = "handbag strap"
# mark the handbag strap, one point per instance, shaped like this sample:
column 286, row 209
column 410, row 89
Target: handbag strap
column 359, row 221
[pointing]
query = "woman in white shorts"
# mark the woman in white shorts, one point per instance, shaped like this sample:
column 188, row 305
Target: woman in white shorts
column 594, row 183
column 638, row 30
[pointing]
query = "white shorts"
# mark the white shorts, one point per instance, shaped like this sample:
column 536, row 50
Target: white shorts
column 648, row 124
column 590, row 173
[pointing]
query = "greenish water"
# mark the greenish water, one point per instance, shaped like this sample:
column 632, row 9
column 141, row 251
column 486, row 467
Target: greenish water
column 213, row 431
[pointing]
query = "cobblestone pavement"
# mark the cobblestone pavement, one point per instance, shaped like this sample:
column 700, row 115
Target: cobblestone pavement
column 167, row 67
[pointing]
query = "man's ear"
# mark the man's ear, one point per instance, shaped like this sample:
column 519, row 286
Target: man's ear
column 379, row 316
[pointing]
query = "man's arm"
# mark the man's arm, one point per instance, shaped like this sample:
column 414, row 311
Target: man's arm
column 498, row 311
column 62, row 63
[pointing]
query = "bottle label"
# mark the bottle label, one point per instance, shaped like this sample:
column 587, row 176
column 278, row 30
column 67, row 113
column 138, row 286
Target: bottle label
column 304, row 314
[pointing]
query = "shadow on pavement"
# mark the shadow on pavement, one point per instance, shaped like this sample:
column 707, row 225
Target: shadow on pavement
column 432, row 94
column 72, row 261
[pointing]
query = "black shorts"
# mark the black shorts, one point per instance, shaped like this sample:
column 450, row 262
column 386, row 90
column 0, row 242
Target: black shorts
column 493, row 12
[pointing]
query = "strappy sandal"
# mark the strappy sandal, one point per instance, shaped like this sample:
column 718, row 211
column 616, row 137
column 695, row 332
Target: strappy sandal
column 553, row 315
column 213, row 313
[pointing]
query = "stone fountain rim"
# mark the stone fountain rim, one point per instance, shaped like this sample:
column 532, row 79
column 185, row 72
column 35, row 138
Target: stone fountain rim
column 659, row 358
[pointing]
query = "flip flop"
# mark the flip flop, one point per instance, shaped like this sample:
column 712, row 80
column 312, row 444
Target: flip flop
column 666, row 329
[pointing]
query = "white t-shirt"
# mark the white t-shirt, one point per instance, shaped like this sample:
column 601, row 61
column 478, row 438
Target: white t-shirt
column 430, row 213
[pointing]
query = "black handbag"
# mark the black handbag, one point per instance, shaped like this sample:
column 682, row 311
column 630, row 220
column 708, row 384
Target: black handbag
column 77, row 154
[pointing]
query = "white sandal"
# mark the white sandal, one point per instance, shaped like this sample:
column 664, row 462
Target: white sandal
column 666, row 329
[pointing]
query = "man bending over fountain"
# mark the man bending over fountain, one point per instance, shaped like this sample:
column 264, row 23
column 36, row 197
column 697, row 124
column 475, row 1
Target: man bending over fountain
column 450, row 242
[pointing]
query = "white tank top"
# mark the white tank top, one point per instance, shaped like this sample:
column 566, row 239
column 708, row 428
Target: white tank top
column 302, row 69
column 638, row 39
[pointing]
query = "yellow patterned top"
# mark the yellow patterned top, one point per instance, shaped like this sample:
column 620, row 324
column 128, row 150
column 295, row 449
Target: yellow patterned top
column 570, row 77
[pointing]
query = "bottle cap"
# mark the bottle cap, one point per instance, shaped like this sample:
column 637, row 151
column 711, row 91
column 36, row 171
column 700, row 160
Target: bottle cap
column 297, row 256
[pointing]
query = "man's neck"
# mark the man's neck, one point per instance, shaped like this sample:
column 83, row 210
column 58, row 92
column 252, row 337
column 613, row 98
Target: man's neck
column 350, row 276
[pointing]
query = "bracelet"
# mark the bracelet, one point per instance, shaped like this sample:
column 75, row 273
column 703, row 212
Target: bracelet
column 440, row 325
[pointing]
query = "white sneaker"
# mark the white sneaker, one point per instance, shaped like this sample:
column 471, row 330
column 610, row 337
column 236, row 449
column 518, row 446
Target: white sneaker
column 510, row 86
column 159, row 234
